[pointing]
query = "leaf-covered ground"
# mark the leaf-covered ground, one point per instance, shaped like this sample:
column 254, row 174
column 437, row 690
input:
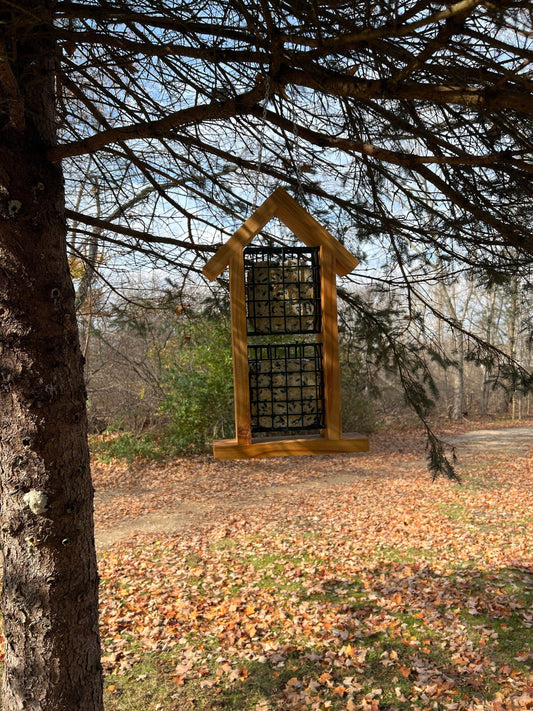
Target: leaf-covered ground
column 322, row 583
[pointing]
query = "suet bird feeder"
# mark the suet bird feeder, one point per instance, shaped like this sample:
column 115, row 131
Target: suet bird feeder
column 283, row 303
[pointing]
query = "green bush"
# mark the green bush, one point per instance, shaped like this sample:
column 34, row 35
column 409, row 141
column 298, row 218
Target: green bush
column 128, row 446
column 199, row 385
column 198, row 402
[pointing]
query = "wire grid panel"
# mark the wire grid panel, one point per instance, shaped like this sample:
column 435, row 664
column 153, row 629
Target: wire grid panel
column 282, row 290
column 286, row 387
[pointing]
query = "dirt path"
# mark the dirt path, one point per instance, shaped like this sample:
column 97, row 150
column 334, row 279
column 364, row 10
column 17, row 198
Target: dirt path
column 191, row 512
column 176, row 508
column 510, row 440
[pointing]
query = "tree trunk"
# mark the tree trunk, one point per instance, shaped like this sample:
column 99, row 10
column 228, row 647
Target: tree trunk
column 486, row 370
column 50, row 580
column 450, row 300
column 514, row 314
column 459, row 376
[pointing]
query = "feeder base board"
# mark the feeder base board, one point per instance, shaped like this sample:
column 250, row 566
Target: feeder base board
column 278, row 447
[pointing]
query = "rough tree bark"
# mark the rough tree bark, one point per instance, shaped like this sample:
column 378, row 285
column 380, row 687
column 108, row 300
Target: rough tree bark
column 50, row 580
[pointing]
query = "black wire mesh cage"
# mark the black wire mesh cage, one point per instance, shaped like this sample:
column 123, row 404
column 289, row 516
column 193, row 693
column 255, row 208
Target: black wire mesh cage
column 282, row 290
column 286, row 387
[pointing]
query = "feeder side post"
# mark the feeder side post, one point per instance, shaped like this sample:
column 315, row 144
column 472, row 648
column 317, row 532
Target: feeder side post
column 239, row 341
column 330, row 345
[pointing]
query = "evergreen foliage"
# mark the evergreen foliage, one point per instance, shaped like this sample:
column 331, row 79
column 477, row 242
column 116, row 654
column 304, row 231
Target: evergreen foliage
column 198, row 380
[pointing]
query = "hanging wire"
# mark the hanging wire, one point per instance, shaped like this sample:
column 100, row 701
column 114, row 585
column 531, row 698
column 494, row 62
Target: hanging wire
column 261, row 140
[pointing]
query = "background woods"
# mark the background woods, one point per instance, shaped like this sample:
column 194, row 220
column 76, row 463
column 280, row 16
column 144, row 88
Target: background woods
column 156, row 368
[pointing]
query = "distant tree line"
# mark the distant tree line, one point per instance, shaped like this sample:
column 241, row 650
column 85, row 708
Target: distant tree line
column 159, row 372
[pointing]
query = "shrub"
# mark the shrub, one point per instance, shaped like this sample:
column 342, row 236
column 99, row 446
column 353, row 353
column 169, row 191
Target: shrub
column 199, row 384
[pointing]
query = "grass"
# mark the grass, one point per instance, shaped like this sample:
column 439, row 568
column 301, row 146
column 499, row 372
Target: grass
column 127, row 446
column 417, row 598
column 409, row 657
column 414, row 668
column 147, row 685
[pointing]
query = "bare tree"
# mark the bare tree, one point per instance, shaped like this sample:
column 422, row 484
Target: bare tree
column 354, row 106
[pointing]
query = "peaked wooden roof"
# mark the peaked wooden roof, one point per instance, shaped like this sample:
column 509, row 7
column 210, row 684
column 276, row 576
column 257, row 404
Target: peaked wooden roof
column 281, row 205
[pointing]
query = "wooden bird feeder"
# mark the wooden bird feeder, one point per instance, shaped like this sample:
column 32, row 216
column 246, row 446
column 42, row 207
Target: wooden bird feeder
column 283, row 305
